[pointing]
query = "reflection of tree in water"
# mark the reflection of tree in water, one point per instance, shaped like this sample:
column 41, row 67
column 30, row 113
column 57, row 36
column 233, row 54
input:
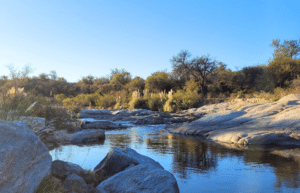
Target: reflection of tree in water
column 119, row 140
column 286, row 169
column 188, row 153
column 158, row 144
column 193, row 154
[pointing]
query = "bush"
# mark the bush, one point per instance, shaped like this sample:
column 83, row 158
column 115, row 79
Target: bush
column 156, row 103
column 13, row 107
column 106, row 101
column 140, row 103
column 184, row 100
column 72, row 105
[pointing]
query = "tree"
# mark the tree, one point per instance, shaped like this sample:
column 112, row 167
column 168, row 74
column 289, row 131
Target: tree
column 158, row 81
column 289, row 48
column 198, row 68
column 53, row 75
column 18, row 77
column 120, row 79
column 136, row 84
column 285, row 70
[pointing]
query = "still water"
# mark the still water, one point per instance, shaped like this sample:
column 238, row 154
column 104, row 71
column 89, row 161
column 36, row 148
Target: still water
column 198, row 166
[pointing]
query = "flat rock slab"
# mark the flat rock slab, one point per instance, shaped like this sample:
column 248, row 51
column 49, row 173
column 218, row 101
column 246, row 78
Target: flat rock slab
column 24, row 158
column 245, row 123
column 143, row 178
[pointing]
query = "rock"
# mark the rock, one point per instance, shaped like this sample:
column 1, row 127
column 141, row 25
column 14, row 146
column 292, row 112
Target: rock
column 118, row 159
column 24, row 159
column 74, row 183
column 93, row 113
column 142, row 178
column 74, row 129
column 133, row 112
column 61, row 170
column 87, row 136
column 151, row 119
column 269, row 123
column 105, row 125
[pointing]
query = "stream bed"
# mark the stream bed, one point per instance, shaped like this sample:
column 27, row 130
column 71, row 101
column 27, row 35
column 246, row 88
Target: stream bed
column 198, row 166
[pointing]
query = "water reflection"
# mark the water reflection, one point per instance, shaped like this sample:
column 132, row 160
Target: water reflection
column 192, row 158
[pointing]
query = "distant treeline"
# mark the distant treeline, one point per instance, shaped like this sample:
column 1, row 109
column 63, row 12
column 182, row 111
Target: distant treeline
column 192, row 80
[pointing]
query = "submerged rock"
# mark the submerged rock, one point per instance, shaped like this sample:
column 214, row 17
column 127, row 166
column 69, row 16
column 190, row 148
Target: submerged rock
column 142, row 178
column 24, row 158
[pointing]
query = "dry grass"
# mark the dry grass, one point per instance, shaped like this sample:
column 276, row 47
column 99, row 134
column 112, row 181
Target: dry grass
column 50, row 185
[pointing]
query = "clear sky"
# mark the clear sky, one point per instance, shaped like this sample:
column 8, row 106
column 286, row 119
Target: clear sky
column 78, row 38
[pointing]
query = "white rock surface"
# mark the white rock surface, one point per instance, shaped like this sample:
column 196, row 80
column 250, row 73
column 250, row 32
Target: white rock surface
column 248, row 123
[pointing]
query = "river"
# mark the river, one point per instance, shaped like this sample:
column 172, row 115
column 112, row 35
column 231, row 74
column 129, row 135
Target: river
column 198, row 165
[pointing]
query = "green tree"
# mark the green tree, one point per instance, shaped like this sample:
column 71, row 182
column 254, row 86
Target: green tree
column 285, row 70
column 198, row 68
column 137, row 83
column 158, row 81
column 120, row 80
column 289, row 48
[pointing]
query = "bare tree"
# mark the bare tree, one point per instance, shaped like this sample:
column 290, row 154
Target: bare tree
column 18, row 77
column 198, row 68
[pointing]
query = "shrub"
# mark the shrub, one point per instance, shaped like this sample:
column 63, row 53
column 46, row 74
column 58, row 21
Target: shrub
column 184, row 100
column 106, row 101
column 60, row 97
column 49, row 185
column 156, row 103
column 13, row 107
column 140, row 103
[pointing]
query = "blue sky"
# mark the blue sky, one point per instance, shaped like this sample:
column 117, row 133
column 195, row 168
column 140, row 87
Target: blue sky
column 78, row 38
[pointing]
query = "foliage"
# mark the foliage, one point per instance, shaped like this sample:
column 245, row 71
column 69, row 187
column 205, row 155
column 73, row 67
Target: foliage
column 156, row 102
column 266, row 81
column 285, row 70
column 158, row 81
column 14, row 106
column 198, row 68
column 289, row 48
column 120, row 79
column 60, row 97
column 182, row 100
column 136, row 84
column 106, row 101
column 49, row 185
column 140, row 103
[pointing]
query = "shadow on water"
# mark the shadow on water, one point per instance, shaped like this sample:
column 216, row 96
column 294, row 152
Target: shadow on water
column 191, row 158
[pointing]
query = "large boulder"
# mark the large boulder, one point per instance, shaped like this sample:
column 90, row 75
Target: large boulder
column 24, row 158
column 143, row 178
column 62, row 170
column 74, row 183
column 118, row 159
column 268, row 123
column 88, row 135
